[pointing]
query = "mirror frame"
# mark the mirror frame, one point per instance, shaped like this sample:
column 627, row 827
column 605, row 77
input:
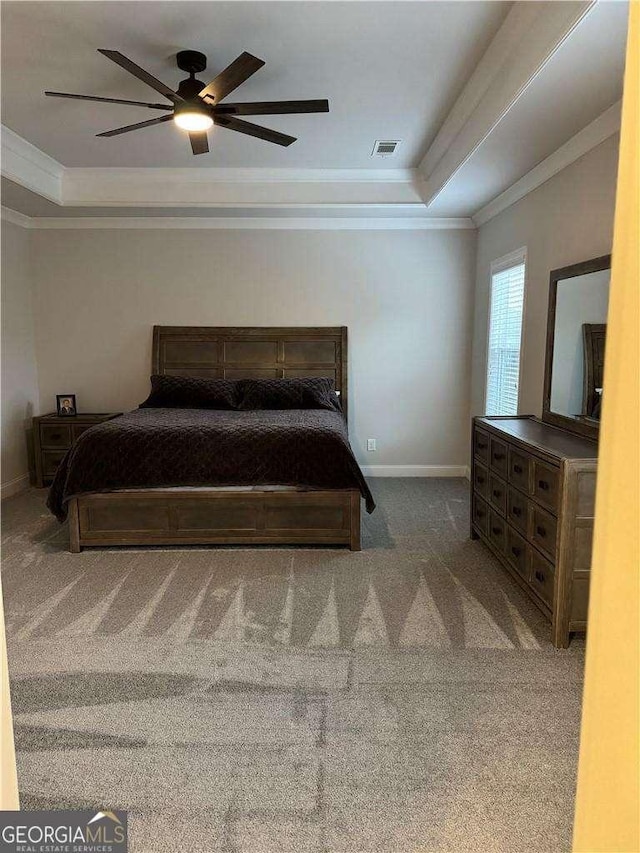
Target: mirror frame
column 588, row 430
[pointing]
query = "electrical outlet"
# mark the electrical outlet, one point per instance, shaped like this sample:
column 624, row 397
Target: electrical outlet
column 371, row 444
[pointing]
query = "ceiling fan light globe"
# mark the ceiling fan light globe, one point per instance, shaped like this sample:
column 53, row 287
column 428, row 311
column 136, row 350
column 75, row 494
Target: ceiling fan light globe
column 193, row 121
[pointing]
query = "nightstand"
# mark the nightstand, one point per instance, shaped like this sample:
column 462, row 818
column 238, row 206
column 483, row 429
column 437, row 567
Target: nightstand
column 53, row 436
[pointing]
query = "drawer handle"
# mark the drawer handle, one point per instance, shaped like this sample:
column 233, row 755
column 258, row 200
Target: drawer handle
column 55, row 435
column 517, row 469
column 541, row 531
column 480, row 513
column 498, row 456
column 482, row 445
column 517, row 511
column 497, row 493
column 542, row 484
column 479, row 478
column 497, row 531
column 540, row 576
column 516, row 551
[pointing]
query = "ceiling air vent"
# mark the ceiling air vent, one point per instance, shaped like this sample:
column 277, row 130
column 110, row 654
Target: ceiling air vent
column 385, row 147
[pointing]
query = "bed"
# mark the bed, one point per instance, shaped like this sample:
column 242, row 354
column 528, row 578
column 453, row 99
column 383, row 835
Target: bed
column 275, row 478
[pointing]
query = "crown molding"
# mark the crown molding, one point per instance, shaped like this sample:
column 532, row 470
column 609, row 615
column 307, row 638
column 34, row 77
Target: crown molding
column 218, row 175
column 198, row 188
column 605, row 126
column 529, row 37
column 240, row 223
column 16, row 218
column 30, row 167
column 519, row 20
column 248, row 223
column 588, row 138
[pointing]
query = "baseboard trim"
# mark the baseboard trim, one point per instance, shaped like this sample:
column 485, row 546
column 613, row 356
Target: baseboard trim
column 19, row 484
column 415, row 470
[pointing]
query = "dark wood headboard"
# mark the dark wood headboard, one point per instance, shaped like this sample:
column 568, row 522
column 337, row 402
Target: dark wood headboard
column 252, row 352
column 593, row 339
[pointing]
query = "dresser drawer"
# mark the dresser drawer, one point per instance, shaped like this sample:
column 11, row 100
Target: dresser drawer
column 517, row 510
column 518, row 552
column 543, row 531
column 50, row 461
column 545, row 484
column 480, row 514
column 497, row 531
column 542, row 577
column 480, row 479
column 52, row 435
column 498, row 493
column 481, row 445
column 519, row 466
column 498, row 459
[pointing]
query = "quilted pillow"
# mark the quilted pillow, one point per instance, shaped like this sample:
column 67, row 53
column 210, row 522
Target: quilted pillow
column 309, row 393
column 191, row 392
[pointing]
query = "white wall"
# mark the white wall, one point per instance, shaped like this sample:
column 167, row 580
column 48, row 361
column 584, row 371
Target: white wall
column 406, row 296
column 19, row 375
column 566, row 220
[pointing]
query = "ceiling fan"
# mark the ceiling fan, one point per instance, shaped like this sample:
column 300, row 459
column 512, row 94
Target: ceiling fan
column 195, row 106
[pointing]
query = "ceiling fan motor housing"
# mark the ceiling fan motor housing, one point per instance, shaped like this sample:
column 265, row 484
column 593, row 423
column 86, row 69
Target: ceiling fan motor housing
column 193, row 62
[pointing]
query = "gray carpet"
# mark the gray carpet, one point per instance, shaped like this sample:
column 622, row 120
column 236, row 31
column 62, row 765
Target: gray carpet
column 403, row 698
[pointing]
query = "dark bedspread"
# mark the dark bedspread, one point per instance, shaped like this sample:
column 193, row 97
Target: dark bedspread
column 155, row 448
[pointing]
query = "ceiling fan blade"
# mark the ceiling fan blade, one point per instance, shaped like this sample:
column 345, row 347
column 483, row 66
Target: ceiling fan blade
column 121, row 60
column 254, row 130
column 233, row 75
column 108, row 100
column 137, row 126
column 271, row 108
column 199, row 142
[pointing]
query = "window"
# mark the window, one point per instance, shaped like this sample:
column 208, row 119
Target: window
column 505, row 334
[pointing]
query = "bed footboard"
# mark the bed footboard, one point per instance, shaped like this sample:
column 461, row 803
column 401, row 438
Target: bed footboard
column 257, row 516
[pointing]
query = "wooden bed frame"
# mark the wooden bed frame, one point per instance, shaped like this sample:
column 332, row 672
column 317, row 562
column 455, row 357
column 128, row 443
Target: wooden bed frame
column 258, row 515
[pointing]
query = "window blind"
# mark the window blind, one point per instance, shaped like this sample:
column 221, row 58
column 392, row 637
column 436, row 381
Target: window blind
column 505, row 334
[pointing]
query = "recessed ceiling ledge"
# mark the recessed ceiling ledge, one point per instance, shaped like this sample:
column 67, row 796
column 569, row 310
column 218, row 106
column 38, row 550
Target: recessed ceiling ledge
column 530, row 35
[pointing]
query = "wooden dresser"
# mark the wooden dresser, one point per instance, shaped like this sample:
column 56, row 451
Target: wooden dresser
column 54, row 435
column 533, row 494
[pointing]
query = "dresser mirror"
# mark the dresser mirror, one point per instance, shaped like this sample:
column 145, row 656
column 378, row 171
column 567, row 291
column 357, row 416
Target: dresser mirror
column 576, row 334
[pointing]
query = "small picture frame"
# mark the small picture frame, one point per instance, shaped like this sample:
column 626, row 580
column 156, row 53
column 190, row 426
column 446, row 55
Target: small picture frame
column 66, row 405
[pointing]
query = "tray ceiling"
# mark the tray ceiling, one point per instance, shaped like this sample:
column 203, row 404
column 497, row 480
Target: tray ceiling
column 483, row 95
column 391, row 70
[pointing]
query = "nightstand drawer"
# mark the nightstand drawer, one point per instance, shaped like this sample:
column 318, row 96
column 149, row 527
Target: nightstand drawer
column 78, row 429
column 480, row 479
column 52, row 435
column 50, row 461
